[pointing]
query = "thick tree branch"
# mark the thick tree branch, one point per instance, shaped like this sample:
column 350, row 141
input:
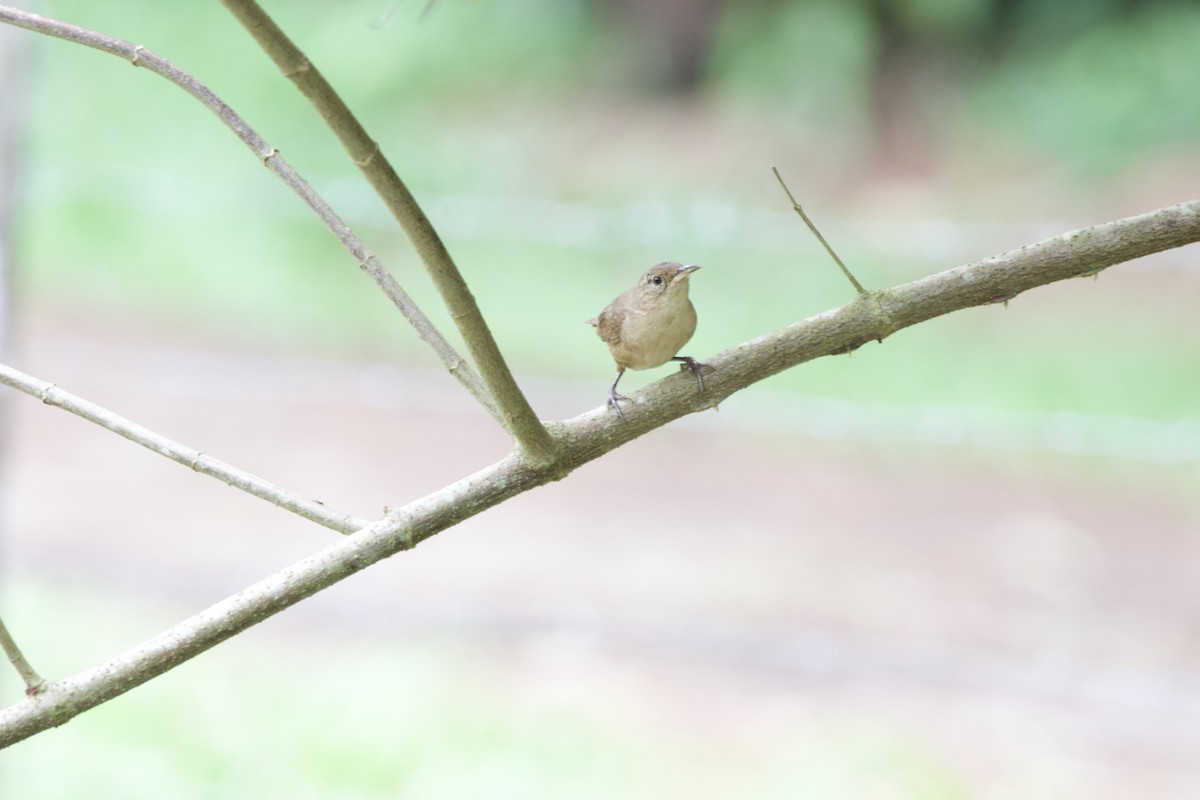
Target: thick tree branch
column 517, row 415
column 51, row 395
column 141, row 57
column 874, row 315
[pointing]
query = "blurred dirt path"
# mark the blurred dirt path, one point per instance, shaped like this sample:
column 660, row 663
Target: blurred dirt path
column 1015, row 616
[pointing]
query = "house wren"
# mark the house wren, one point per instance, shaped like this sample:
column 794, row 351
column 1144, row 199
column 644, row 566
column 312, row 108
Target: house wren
column 646, row 325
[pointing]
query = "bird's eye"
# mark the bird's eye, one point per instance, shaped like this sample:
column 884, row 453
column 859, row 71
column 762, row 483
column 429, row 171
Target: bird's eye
column 656, row 280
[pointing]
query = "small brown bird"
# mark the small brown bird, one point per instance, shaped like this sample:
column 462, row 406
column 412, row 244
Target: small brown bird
column 646, row 325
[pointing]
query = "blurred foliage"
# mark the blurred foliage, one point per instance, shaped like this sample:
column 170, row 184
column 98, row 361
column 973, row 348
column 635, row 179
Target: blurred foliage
column 1099, row 96
column 808, row 63
column 138, row 203
column 1080, row 78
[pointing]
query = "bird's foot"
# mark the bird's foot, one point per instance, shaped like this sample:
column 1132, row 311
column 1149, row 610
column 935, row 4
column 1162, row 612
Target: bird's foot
column 614, row 402
column 695, row 366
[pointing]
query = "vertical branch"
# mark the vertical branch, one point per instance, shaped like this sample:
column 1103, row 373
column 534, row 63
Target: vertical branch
column 519, row 419
column 34, row 683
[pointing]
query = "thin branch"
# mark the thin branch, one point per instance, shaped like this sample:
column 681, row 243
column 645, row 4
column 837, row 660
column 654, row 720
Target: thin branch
column 34, row 683
column 517, row 415
column 141, row 57
column 428, row 7
column 597, row 432
column 51, row 395
column 845, row 270
column 385, row 18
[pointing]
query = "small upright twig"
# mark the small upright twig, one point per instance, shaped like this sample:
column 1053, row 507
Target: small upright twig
column 517, row 415
column 845, row 270
column 34, row 683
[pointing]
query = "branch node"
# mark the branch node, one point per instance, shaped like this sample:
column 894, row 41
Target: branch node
column 885, row 320
column 265, row 157
column 44, row 394
column 302, row 66
column 369, row 158
column 136, row 58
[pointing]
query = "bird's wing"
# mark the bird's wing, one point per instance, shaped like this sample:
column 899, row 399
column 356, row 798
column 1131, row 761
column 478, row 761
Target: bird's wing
column 608, row 326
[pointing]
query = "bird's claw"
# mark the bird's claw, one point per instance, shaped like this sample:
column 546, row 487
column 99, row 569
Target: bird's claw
column 614, row 402
column 694, row 366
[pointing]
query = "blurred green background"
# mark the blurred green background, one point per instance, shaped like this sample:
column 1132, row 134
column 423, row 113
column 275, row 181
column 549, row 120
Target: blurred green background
column 561, row 147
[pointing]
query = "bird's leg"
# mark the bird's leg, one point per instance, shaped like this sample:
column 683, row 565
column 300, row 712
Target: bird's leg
column 613, row 397
column 694, row 366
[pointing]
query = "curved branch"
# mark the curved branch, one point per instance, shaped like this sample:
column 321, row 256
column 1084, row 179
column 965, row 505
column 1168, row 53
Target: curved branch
column 51, row 395
column 141, row 57
column 874, row 315
column 517, row 415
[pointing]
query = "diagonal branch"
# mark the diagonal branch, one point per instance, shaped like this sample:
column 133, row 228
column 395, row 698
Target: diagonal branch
column 591, row 435
column 141, row 57
column 51, row 395
column 34, row 683
column 517, row 415
column 796, row 207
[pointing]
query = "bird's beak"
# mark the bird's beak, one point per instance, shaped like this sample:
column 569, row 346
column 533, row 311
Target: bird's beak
column 689, row 268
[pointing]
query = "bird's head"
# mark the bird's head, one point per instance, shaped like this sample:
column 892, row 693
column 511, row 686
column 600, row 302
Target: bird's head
column 665, row 280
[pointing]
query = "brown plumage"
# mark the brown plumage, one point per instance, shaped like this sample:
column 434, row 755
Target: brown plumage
column 648, row 324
